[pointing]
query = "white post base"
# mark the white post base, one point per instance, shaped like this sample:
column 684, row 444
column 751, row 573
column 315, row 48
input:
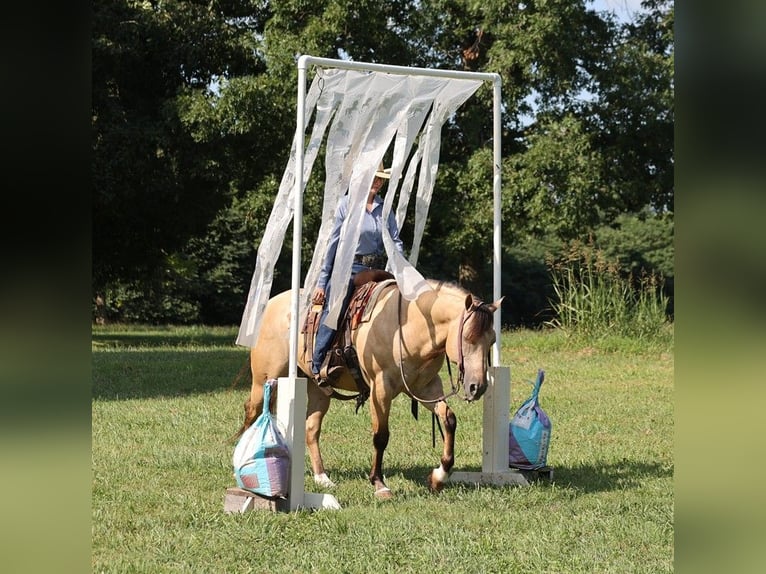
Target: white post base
column 291, row 416
column 511, row 476
column 496, row 416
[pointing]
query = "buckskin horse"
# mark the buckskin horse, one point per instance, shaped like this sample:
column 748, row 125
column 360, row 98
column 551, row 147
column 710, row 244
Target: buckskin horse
column 401, row 346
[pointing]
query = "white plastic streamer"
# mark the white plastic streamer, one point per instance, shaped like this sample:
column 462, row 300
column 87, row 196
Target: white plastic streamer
column 361, row 112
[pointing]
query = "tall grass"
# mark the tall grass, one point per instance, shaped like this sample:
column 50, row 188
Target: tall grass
column 597, row 301
column 163, row 408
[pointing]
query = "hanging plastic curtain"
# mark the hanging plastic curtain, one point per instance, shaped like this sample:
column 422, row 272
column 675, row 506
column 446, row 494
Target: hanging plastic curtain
column 360, row 114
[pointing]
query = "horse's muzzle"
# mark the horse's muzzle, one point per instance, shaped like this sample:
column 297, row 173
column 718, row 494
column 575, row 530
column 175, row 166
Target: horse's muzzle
column 474, row 391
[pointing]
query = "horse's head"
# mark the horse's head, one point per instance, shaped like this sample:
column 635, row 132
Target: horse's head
column 474, row 337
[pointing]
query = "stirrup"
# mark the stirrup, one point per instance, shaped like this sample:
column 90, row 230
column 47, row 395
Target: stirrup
column 324, row 385
column 330, row 372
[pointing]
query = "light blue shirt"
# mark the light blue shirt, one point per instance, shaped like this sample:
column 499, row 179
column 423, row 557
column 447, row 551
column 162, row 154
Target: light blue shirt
column 370, row 236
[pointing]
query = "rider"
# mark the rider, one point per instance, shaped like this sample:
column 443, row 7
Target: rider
column 369, row 254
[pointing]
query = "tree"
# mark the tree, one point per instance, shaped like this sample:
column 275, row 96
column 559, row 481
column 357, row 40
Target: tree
column 633, row 116
column 154, row 183
column 555, row 186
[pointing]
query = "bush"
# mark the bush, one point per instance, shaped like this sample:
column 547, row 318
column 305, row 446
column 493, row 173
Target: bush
column 595, row 299
column 153, row 303
column 639, row 248
column 527, row 283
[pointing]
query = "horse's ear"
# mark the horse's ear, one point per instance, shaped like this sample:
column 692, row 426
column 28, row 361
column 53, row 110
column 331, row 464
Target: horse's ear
column 468, row 302
column 496, row 305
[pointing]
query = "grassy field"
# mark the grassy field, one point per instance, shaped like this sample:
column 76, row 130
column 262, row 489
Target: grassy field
column 163, row 407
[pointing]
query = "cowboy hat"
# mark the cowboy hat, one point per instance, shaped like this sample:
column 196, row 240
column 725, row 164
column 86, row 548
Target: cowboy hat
column 384, row 173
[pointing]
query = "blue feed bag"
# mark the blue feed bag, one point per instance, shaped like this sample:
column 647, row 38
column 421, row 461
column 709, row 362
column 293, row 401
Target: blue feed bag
column 262, row 457
column 529, row 432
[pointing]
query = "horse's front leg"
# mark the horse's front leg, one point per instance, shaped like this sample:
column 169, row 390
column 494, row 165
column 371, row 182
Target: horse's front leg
column 439, row 476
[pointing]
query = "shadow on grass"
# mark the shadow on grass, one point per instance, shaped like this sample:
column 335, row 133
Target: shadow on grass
column 416, row 474
column 159, row 372
column 163, row 337
column 596, row 477
column 601, row 477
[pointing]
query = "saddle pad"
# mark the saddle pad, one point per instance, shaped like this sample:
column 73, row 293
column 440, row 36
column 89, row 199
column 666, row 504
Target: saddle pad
column 379, row 288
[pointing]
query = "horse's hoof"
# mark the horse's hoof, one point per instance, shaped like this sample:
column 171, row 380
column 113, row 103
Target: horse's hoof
column 437, row 478
column 384, row 493
column 434, row 485
column 324, row 480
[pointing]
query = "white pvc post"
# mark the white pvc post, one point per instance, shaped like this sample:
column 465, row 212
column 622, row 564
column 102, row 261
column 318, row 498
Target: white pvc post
column 497, row 189
column 291, row 402
column 291, row 416
column 291, row 391
column 494, row 460
column 495, row 422
column 300, row 128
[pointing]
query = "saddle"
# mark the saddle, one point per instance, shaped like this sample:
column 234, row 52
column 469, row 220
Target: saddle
column 342, row 354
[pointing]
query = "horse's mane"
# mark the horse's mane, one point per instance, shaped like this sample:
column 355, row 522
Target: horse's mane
column 438, row 284
column 483, row 319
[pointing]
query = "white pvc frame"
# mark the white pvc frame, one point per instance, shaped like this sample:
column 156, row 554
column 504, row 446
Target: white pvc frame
column 291, row 398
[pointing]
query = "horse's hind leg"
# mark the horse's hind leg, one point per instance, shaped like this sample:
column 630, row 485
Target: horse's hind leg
column 318, row 404
column 268, row 360
column 439, row 476
column 253, row 407
column 380, row 408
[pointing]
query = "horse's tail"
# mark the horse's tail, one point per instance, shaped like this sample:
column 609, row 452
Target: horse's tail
column 243, row 371
column 247, row 421
column 235, row 437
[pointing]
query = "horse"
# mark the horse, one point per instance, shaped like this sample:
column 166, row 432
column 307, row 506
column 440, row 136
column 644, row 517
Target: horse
column 401, row 348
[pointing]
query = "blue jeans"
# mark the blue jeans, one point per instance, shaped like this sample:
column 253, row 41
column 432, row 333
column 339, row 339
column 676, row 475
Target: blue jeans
column 325, row 334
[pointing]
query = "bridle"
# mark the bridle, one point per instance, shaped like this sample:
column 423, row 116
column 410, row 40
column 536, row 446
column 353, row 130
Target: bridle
column 455, row 386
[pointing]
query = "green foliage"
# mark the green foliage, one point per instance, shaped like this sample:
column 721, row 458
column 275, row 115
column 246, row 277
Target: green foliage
column 166, row 298
column 153, row 185
column 456, row 241
column 594, row 300
column 637, row 247
column 555, row 186
column 633, row 118
column 163, row 408
column 527, row 282
column 543, row 49
column 639, row 243
column 194, row 112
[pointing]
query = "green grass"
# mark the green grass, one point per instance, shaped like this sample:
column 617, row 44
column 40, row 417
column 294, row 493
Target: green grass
column 163, row 407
